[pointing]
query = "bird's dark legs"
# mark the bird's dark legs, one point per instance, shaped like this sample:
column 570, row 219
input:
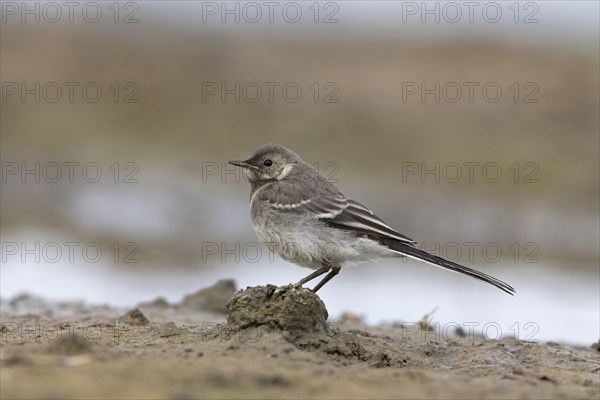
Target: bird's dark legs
column 312, row 276
column 334, row 271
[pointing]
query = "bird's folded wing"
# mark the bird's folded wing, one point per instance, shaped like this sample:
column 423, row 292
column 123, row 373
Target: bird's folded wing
column 359, row 218
column 337, row 211
column 293, row 200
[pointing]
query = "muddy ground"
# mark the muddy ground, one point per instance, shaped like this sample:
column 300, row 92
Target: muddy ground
column 268, row 343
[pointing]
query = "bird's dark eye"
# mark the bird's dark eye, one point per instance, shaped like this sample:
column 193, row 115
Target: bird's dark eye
column 267, row 163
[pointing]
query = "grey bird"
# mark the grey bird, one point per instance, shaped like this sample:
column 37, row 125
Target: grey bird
column 304, row 218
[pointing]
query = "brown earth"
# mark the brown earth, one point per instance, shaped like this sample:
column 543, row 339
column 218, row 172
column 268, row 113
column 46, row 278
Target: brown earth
column 275, row 343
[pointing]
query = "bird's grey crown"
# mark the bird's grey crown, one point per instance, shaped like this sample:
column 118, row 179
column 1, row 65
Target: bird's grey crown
column 269, row 149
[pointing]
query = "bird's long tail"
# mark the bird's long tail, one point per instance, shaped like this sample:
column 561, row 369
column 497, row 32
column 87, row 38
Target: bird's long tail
column 409, row 251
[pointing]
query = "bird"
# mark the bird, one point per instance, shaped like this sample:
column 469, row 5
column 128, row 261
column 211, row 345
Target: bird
column 300, row 215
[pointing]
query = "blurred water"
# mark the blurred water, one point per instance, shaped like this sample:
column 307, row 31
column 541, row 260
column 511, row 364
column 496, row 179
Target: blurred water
column 184, row 213
column 552, row 302
column 357, row 19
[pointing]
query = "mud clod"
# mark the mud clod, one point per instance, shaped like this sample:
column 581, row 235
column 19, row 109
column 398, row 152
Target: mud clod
column 134, row 317
column 70, row 344
column 169, row 328
column 213, row 298
column 290, row 308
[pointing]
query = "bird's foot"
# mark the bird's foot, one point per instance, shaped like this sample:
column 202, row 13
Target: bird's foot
column 279, row 291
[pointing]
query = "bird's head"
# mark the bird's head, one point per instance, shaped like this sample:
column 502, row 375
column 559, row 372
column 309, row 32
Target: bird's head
column 270, row 162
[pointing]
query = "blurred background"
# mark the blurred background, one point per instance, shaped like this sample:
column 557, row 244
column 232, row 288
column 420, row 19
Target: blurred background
column 473, row 129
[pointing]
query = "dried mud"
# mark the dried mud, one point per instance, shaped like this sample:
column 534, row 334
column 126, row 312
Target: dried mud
column 267, row 342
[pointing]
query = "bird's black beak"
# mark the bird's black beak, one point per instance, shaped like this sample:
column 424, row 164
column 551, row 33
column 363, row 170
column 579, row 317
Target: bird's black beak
column 242, row 164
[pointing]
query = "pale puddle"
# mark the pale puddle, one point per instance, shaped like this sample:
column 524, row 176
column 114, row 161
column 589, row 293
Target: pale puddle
column 552, row 303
